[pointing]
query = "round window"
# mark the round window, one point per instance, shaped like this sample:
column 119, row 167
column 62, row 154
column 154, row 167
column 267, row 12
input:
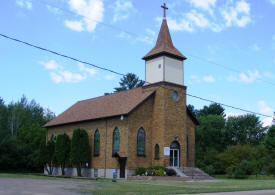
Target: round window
column 175, row 96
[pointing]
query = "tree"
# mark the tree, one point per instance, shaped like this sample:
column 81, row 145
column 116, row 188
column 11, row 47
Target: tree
column 129, row 81
column 47, row 155
column 3, row 120
column 192, row 109
column 80, row 149
column 270, row 138
column 209, row 132
column 244, row 129
column 62, row 151
column 29, row 140
column 214, row 109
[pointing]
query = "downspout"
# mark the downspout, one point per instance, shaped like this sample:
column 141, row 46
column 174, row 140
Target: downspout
column 105, row 148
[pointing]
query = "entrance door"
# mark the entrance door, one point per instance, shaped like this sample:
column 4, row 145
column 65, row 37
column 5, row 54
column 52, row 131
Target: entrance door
column 175, row 154
column 122, row 164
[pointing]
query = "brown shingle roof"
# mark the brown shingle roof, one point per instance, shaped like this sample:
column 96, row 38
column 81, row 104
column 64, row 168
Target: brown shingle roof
column 164, row 45
column 121, row 103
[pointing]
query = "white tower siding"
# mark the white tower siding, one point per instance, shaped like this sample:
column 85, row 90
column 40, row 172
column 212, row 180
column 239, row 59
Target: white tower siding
column 164, row 69
column 153, row 72
column 173, row 70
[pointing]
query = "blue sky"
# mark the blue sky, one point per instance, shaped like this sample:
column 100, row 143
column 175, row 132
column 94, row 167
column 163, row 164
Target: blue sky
column 217, row 36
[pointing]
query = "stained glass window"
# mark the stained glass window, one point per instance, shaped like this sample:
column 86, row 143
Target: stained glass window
column 96, row 143
column 115, row 141
column 156, row 151
column 141, row 142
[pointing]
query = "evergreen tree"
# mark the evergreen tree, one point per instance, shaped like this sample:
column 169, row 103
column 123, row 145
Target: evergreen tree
column 80, row 149
column 129, row 81
column 62, row 151
column 47, row 155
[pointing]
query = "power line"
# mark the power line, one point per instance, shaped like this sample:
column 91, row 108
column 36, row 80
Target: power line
column 121, row 74
column 138, row 36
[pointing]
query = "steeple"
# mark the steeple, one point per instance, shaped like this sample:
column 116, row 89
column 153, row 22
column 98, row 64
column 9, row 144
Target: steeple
column 164, row 44
column 164, row 62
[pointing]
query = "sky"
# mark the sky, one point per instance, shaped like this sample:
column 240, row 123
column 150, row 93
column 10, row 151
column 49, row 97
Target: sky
column 230, row 46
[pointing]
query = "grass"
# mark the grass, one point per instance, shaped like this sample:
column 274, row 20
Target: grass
column 106, row 186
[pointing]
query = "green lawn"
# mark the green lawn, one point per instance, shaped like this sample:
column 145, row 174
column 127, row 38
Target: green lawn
column 106, row 186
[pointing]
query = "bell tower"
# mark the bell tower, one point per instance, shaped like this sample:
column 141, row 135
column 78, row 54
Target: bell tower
column 164, row 62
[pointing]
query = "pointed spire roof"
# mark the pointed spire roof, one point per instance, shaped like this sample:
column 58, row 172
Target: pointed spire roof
column 164, row 45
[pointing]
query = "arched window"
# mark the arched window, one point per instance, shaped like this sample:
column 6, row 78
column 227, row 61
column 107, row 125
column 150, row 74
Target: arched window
column 53, row 138
column 157, row 152
column 96, row 143
column 141, row 142
column 115, row 141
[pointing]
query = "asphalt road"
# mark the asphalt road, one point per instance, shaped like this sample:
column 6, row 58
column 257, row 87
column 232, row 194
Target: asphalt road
column 24, row 186
column 18, row 186
column 258, row 192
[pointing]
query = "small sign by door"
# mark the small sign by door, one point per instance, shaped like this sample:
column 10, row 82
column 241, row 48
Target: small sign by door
column 166, row 151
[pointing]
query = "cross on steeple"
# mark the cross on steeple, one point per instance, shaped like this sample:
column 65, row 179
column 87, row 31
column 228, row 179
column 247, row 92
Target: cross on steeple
column 164, row 9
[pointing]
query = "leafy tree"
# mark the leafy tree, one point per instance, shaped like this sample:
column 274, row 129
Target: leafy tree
column 47, row 155
column 9, row 156
column 209, row 132
column 244, row 129
column 270, row 138
column 62, row 151
column 80, row 149
column 213, row 109
column 3, row 119
column 192, row 109
column 129, row 81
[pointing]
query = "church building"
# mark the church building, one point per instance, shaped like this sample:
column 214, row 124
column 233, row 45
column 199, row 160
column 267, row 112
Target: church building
column 141, row 127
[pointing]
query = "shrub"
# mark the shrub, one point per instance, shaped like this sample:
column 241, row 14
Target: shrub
column 209, row 169
column 140, row 171
column 243, row 170
column 154, row 170
column 80, row 149
column 271, row 167
column 62, row 151
column 159, row 172
column 171, row 172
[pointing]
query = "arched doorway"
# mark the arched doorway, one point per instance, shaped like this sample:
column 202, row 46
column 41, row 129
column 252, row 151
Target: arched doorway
column 175, row 154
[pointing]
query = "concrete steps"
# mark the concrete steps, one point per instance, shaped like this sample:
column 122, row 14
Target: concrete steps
column 191, row 173
column 195, row 173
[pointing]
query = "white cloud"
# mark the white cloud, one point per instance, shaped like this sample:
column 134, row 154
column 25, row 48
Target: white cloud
column 56, row 77
column 231, row 114
column 109, row 77
column 204, row 4
column 255, row 47
column 264, row 108
column 238, row 15
column 24, row 4
column 91, row 12
column 209, row 79
column 272, row 2
column 122, row 10
column 54, row 10
column 181, row 25
column 70, row 77
column 91, row 71
column 267, row 121
column 74, row 25
column 50, row 65
column 150, row 32
column 249, row 77
column 197, row 18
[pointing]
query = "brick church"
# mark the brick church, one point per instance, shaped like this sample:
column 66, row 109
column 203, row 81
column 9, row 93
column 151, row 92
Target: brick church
column 141, row 127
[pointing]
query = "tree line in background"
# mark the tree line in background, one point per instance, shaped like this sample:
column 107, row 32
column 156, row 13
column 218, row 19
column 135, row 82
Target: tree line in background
column 21, row 134
column 23, row 145
column 236, row 145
